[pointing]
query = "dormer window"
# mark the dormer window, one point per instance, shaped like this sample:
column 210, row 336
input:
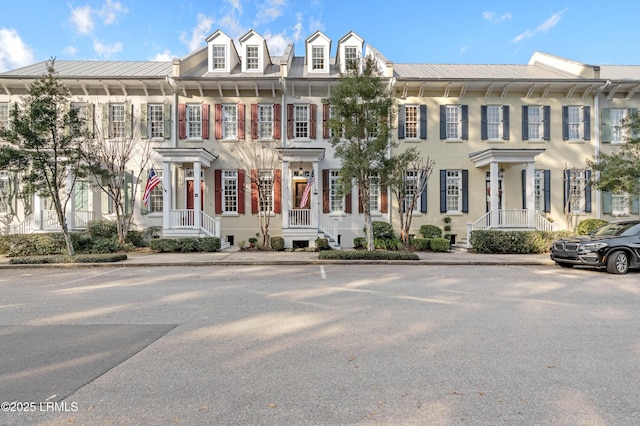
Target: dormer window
column 317, row 56
column 350, row 56
column 252, row 58
column 218, row 54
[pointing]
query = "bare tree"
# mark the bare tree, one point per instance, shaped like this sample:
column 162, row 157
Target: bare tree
column 121, row 156
column 262, row 162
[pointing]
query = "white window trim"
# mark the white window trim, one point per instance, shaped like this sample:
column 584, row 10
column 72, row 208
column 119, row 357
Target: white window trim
column 540, row 123
column 625, row 211
column 295, row 121
column 417, row 122
column 334, row 178
column 500, row 123
column 212, row 59
column 187, row 122
column 149, row 121
column 459, row 123
column 458, row 178
column 225, row 136
column 623, row 131
column 259, row 66
column 325, row 58
column 229, row 176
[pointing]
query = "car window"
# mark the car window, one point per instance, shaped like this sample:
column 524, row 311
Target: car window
column 631, row 230
column 618, row 230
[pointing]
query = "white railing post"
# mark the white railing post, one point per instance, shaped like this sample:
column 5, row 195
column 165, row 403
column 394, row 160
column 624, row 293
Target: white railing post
column 469, row 230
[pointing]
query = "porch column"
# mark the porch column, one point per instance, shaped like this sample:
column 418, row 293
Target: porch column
column 167, row 180
column 314, row 200
column 197, row 195
column 37, row 211
column 287, row 195
column 530, row 177
column 495, row 195
column 71, row 204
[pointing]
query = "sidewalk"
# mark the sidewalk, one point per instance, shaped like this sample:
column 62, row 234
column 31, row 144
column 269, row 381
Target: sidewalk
column 234, row 256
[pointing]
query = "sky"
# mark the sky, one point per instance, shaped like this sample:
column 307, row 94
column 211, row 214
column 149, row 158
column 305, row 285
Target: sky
column 405, row 31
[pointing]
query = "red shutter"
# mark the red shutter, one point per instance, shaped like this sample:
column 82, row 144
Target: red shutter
column 312, row 122
column 326, row 205
column 326, row 111
column 240, row 121
column 347, row 202
column 289, row 121
column 205, row 121
column 277, row 191
column 241, row 191
column 182, row 121
column 218, row 120
column 277, row 121
column 384, row 199
column 254, row 191
column 217, row 174
column 254, row 121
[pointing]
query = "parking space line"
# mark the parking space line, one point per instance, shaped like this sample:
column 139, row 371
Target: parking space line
column 323, row 274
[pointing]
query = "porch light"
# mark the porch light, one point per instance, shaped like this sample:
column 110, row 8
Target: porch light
column 501, row 172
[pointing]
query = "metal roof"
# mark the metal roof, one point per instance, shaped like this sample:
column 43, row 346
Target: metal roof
column 96, row 69
column 472, row 71
column 620, row 72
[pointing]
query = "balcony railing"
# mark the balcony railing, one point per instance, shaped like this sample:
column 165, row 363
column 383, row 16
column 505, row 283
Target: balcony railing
column 299, row 218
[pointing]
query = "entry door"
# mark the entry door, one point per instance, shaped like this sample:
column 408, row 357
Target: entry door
column 488, row 192
column 191, row 193
column 298, row 190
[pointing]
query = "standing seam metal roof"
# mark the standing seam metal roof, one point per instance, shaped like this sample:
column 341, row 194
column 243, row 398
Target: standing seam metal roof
column 105, row 69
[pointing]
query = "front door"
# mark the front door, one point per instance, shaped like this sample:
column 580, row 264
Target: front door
column 191, row 193
column 298, row 191
column 488, row 192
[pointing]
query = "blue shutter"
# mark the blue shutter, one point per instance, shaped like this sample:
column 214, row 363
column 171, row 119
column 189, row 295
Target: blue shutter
column 423, row 200
column 605, row 126
column 524, row 189
column 587, row 192
column 465, row 122
column 443, row 121
column 607, row 202
column 586, row 122
column 525, row 122
column 567, row 187
column 546, row 122
column 465, row 191
column 635, row 205
column 443, row 191
column 402, row 118
column 547, row 191
column 483, row 123
column 505, row 122
column 565, row 123
column 423, row 122
column 633, row 112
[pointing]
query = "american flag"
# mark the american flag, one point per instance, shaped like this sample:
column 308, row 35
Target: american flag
column 307, row 190
column 152, row 182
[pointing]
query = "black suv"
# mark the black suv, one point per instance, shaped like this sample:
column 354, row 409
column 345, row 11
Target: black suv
column 615, row 246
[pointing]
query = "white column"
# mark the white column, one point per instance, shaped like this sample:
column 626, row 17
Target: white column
column 530, row 178
column 315, row 201
column 37, row 211
column 71, row 205
column 495, row 195
column 197, row 195
column 167, row 180
column 286, row 198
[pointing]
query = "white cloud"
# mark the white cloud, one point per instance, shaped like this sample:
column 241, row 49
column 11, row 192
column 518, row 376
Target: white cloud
column 297, row 27
column 277, row 43
column 82, row 20
column 491, row 16
column 542, row 28
column 14, row 52
column 163, row 56
column 198, row 34
column 270, row 10
column 105, row 51
column 463, row 49
column 110, row 11
column 70, row 51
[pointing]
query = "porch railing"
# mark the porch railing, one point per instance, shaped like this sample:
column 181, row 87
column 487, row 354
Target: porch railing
column 516, row 218
column 27, row 226
column 181, row 218
column 299, row 218
column 210, row 225
column 81, row 217
column 329, row 226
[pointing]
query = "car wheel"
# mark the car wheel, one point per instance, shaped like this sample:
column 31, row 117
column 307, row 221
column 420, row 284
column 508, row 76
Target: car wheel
column 565, row 265
column 618, row 263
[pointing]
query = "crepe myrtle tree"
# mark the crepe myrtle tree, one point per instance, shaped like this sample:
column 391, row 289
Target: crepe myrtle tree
column 46, row 142
column 360, row 124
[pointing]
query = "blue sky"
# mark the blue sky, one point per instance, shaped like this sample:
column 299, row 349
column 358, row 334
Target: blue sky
column 415, row 31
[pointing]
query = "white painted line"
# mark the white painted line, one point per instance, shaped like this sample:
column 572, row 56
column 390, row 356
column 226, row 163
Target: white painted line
column 51, row 397
column 91, row 276
column 323, row 274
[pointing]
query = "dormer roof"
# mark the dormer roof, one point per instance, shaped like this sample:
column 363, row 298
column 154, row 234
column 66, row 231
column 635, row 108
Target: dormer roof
column 231, row 58
column 350, row 39
column 317, row 39
column 252, row 38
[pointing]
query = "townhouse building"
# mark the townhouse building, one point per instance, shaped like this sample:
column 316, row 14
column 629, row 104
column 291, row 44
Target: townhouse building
column 509, row 142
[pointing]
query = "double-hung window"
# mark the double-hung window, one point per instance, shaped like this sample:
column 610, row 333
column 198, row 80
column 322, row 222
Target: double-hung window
column 374, row 194
column 155, row 118
column 494, row 122
column 252, row 58
column 156, row 198
column 335, row 198
column 454, row 122
column 411, row 122
column 317, row 58
column 534, row 119
column 265, row 122
column 229, row 121
column 4, row 115
column 194, row 121
column 5, row 192
column 230, row 191
column 574, row 122
column 350, row 57
column 620, row 204
column 117, row 118
column 539, row 190
column 411, row 189
column 454, row 191
column 301, row 119
column 218, row 55
column 266, row 189
column 617, row 124
column 577, row 185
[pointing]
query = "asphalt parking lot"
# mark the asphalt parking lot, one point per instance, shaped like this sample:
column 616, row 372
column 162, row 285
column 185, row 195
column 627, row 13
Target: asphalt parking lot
column 319, row 344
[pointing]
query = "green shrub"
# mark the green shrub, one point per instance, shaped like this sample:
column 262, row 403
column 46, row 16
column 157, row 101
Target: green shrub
column 137, row 238
column 164, row 245
column 79, row 258
column 359, row 242
column 277, row 243
column 210, row 244
column 34, row 244
column 382, row 230
column 102, row 228
column 587, row 226
column 421, row 244
column 322, row 244
column 440, row 244
column 517, row 242
column 430, row 231
column 185, row 245
column 367, row 255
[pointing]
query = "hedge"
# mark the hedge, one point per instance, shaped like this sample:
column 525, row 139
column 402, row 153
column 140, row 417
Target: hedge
column 514, row 242
column 78, row 258
column 277, row 243
column 430, row 231
column 440, row 244
column 185, row 245
column 367, row 255
column 421, row 244
column 587, row 226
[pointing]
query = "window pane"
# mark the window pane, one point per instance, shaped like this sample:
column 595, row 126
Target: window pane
column 229, row 122
column 219, row 57
column 411, row 123
column 535, row 120
column 453, row 122
column 453, row 192
column 493, row 122
column 334, row 189
column 265, row 121
column 301, row 121
column 156, row 121
column 230, row 185
column 252, row 57
column 266, row 189
column 117, row 118
column 317, row 58
column 194, row 124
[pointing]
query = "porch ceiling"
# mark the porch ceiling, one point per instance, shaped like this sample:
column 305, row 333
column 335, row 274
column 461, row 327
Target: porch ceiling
column 187, row 155
column 504, row 155
column 301, row 154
